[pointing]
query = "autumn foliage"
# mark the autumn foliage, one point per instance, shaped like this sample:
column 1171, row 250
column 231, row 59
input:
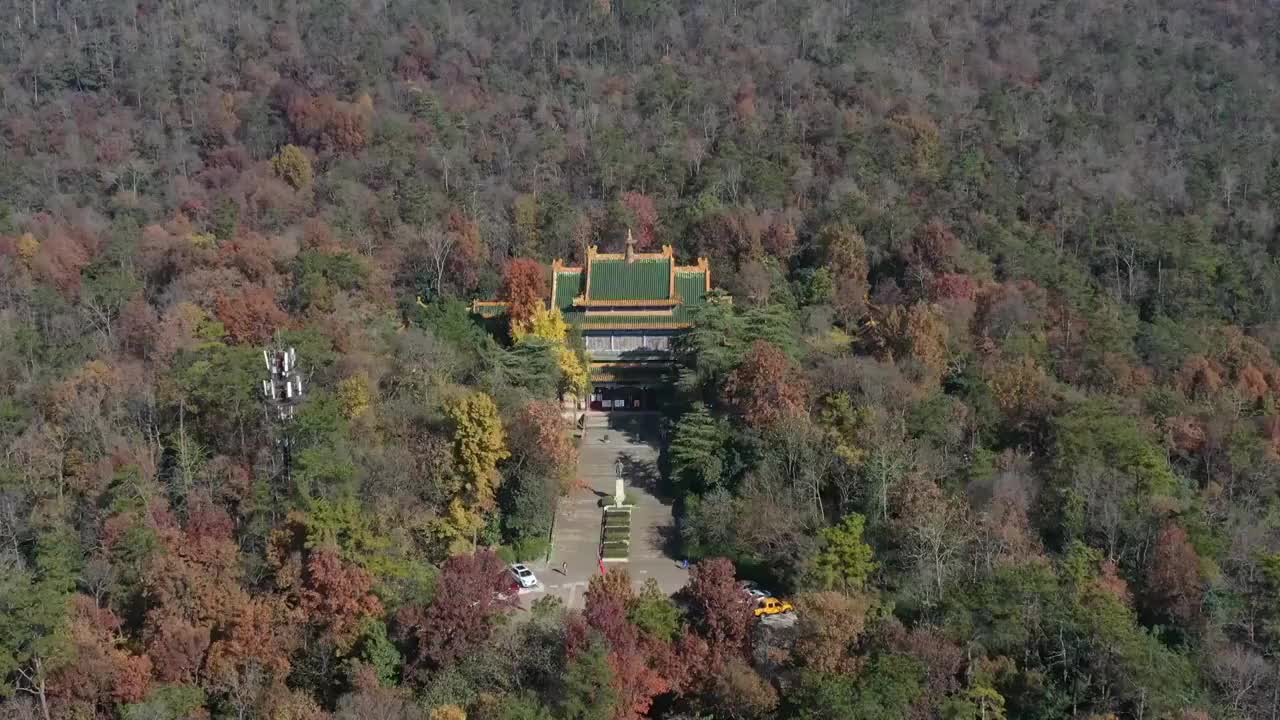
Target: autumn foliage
column 986, row 383
column 639, row 671
column 473, row 591
column 1174, row 584
column 250, row 314
column 524, row 288
column 645, row 218
column 766, row 387
column 720, row 611
column 103, row 672
column 338, row 597
column 544, row 433
column 328, row 124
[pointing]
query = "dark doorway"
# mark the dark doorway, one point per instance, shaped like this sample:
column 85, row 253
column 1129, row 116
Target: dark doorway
column 623, row 398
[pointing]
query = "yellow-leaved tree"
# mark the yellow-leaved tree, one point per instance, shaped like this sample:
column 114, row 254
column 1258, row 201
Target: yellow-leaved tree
column 27, row 247
column 293, row 166
column 550, row 325
column 447, row 712
column 479, row 444
column 545, row 324
column 574, row 376
column 355, row 395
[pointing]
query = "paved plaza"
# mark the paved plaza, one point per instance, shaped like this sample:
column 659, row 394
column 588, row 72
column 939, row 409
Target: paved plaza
column 610, row 438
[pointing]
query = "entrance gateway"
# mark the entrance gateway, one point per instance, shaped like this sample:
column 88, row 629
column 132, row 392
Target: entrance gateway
column 613, row 396
column 628, row 306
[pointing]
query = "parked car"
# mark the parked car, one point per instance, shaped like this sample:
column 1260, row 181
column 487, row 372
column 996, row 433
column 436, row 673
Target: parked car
column 753, row 590
column 524, row 576
column 772, row 606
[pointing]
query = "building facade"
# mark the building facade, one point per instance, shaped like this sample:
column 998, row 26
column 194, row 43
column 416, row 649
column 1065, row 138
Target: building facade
column 628, row 306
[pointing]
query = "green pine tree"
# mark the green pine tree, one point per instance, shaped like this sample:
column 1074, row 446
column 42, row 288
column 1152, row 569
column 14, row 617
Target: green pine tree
column 697, row 450
column 588, row 685
column 654, row 612
column 33, row 624
column 845, row 560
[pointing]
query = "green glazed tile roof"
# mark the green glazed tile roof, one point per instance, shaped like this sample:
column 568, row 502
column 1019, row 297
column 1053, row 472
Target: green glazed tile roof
column 638, row 280
column 568, row 286
column 691, row 287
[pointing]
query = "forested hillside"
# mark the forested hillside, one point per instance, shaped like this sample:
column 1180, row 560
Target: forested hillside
column 995, row 401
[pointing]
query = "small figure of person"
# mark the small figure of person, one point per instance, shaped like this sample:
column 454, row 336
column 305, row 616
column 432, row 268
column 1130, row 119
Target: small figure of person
column 564, row 569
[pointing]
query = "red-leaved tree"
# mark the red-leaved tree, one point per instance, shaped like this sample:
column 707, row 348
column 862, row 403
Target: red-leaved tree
column 103, row 672
column 540, row 438
column 645, row 217
column 638, row 663
column 473, row 591
column 945, row 287
column 468, row 252
column 932, row 247
column 250, row 314
column 193, row 589
column 766, row 387
column 338, row 597
column 1174, row 585
column 721, row 612
column 524, row 288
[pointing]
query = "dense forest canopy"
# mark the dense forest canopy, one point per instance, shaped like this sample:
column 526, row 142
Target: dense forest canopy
column 994, row 401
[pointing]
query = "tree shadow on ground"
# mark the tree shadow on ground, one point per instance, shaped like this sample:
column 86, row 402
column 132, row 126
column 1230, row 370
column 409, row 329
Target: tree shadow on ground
column 636, row 427
column 666, row 539
column 640, row 474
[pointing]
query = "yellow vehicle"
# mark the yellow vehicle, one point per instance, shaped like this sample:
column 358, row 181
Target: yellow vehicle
column 772, row 606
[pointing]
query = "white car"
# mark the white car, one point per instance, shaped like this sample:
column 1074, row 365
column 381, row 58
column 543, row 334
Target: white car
column 754, row 591
column 524, row 576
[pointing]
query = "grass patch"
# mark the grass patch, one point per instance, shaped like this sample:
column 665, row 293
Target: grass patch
column 615, row 535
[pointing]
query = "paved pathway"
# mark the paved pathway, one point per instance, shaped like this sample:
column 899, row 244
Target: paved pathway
column 609, row 438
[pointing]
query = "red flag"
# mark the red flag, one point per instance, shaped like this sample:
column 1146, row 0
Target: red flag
column 602, row 571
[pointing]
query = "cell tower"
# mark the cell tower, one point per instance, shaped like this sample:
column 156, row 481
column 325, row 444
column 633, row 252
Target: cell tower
column 283, row 387
column 283, row 391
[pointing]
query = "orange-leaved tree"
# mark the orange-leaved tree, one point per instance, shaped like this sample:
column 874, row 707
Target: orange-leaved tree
column 524, row 288
column 766, row 387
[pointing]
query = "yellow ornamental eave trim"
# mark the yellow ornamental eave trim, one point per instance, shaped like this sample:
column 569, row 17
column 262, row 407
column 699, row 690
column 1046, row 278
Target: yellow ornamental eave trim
column 555, row 278
column 636, row 326
column 478, row 305
column 583, row 301
column 593, row 253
